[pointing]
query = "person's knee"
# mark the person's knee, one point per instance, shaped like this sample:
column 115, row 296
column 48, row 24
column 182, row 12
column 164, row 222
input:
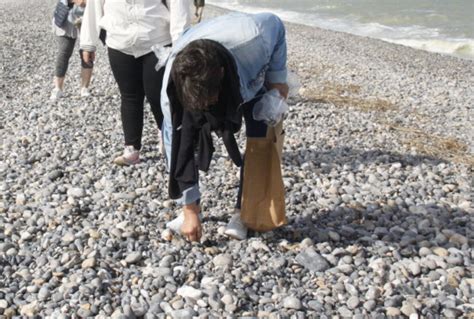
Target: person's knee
column 63, row 55
column 84, row 64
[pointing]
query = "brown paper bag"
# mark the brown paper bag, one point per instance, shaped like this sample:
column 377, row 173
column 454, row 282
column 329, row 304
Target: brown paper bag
column 263, row 194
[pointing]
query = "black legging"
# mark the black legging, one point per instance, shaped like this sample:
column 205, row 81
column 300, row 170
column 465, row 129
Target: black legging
column 65, row 48
column 136, row 78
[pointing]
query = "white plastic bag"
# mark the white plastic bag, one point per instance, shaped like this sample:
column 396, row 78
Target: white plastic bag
column 294, row 84
column 270, row 108
column 162, row 54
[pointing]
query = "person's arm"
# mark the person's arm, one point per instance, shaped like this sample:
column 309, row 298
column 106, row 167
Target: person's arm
column 187, row 176
column 184, row 170
column 180, row 17
column 274, row 35
column 90, row 28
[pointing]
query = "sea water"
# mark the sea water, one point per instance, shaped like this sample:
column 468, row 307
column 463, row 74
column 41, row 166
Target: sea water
column 443, row 26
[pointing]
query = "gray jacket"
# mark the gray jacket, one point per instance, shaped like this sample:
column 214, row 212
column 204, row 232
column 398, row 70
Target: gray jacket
column 69, row 29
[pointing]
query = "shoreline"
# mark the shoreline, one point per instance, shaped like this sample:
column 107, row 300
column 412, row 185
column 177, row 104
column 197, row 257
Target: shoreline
column 408, row 42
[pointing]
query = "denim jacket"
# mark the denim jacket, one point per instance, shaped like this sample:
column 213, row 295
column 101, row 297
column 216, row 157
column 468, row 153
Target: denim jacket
column 257, row 43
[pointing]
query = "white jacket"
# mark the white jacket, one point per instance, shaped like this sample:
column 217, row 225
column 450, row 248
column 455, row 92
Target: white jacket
column 134, row 26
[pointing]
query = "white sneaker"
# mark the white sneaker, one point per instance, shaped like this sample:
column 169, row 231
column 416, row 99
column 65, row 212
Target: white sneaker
column 130, row 156
column 175, row 224
column 236, row 228
column 56, row 93
column 85, row 92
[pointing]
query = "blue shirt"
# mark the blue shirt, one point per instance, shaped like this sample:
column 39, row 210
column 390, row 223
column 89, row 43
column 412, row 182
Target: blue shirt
column 257, row 43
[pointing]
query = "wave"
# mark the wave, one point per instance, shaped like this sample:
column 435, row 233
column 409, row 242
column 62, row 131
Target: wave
column 415, row 36
column 462, row 48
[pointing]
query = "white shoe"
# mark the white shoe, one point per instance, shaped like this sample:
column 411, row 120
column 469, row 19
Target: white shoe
column 56, row 93
column 236, row 228
column 130, row 156
column 85, row 92
column 175, row 224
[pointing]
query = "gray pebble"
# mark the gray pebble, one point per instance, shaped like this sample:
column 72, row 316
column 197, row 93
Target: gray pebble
column 292, row 303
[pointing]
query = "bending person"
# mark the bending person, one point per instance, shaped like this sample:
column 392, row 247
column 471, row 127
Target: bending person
column 132, row 28
column 213, row 77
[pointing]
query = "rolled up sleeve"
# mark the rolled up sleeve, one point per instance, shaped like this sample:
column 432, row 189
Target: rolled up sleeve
column 190, row 195
column 274, row 36
column 89, row 36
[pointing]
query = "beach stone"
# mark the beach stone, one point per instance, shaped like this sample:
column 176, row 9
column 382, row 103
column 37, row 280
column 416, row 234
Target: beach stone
column 215, row 303
column 222, row 260
column 408, row 309
column 76, row 192
column 414, row 268
column 190, row 292
column 315, row 305
column 258, row 245
column 167, row 235
column 25, row 236
column 44, row 293
column 84, row 313
column 88, row 263
column 370, row 305
column 458, row 239
column 440, row 251
column 93, row 233
column 452, row 313
column 392, row 311
column 133, row 257
column 292, row 303
column 353, row 302
column 3, row 304
column 345, row 313
column 372, row 293
column 166, row 307
column 334, row 236
column 168, row 203
column 30, row 309
column 424, row 251
column 54, row 175
column 68, row 238
column 227, row 299
column 177, row 304
column 307, row 242
column 139, row 309
column 312, row 261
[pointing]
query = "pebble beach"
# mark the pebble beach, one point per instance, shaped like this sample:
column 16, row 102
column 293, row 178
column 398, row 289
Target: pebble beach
column 378, row 172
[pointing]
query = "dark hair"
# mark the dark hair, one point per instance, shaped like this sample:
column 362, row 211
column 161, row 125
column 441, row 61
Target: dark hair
column 197, row 74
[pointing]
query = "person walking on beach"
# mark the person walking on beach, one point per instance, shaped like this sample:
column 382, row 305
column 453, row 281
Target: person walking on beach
column 66, row 35
column 213, row 77
column 132, row 28
column 199, row 5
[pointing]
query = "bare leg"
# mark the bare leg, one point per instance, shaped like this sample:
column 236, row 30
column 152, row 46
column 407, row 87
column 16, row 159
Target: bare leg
column 86, row 75
column 59, row 82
